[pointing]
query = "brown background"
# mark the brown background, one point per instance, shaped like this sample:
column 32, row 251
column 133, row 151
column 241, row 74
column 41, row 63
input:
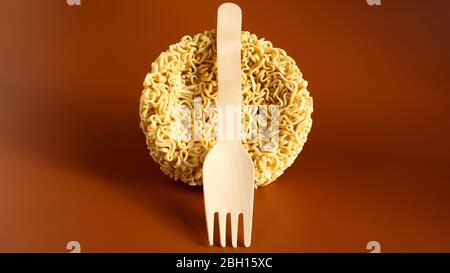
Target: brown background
column 74, row 165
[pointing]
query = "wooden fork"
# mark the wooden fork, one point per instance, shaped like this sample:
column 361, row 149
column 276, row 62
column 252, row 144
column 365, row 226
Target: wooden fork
column 228, row 171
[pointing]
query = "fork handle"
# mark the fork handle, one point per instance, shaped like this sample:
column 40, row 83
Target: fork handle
column 229, row 22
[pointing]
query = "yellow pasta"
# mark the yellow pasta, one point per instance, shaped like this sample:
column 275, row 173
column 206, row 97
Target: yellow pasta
column 185, row 76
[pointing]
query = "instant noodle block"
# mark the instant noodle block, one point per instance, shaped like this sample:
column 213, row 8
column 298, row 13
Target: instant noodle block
column 178, row 116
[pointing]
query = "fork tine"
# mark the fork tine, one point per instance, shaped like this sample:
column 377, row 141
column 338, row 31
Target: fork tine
column 223, row 229
column 210, row 226
column 247, row 229
column 234, row 228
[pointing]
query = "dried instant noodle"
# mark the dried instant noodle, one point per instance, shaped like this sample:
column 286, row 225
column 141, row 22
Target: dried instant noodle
column 187, row 74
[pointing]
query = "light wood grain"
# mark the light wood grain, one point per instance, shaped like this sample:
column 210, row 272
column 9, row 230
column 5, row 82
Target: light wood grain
column 228, row 171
